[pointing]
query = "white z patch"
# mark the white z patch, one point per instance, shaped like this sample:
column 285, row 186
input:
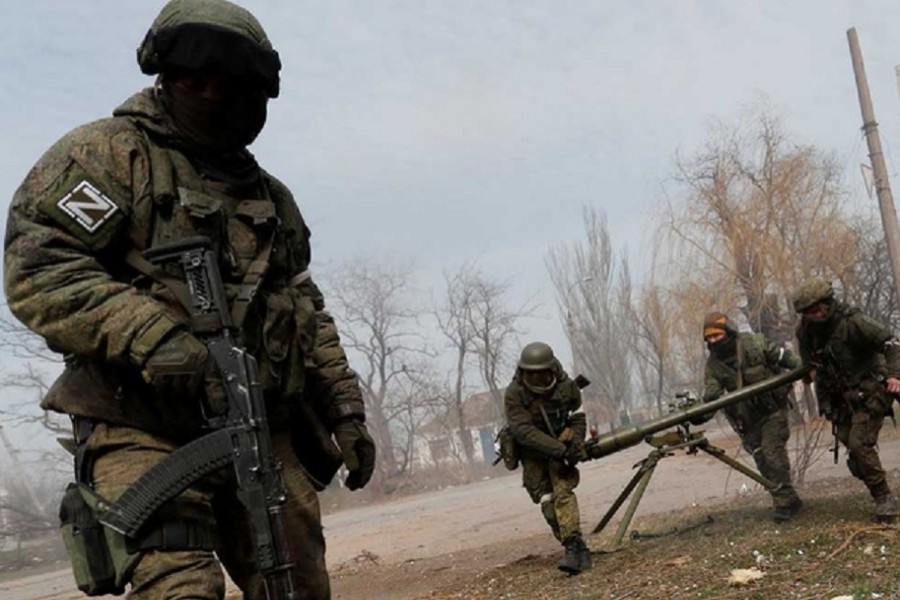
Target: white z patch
column 88, row 206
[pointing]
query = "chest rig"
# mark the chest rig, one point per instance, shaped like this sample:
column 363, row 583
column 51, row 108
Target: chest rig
column 241, row 222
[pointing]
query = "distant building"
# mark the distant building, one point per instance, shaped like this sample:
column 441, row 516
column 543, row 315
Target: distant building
column 438, row 442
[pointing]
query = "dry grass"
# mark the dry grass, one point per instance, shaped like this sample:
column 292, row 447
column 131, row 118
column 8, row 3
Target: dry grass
column 832, row 548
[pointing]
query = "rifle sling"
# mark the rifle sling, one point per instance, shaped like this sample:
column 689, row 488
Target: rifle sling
column 547, row 420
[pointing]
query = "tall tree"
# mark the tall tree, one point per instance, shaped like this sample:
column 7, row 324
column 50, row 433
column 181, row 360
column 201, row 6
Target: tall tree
column 372, row 301
column 762, row 213
column 454, row 320
column 594, row 292
column 495, row 333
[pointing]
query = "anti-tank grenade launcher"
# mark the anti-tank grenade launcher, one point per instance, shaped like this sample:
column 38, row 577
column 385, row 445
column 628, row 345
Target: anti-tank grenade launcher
column 685, row 410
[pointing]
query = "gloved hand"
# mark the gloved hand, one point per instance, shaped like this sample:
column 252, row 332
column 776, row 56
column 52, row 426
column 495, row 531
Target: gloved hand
column 572, row 455
column 359, row 452
column 178, row 367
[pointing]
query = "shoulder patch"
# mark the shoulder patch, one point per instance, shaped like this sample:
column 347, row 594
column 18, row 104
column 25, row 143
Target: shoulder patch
column 87, row 206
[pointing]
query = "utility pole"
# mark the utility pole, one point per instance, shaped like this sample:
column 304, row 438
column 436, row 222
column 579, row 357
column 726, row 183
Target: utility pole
column 882, row 185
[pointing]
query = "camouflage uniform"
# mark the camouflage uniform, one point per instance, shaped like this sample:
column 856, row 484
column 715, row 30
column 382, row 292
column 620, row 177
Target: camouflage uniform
column 129, row 183
column 852, row 355
column 549, row 479
column 762, row 421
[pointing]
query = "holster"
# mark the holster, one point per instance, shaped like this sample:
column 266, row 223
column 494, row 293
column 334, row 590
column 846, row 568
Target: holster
column 99, row 556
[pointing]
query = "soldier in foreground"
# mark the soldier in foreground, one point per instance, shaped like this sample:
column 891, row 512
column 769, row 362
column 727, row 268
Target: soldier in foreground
column 543, row 410
column 172, row 164
column 739, row 359
column 856, row 371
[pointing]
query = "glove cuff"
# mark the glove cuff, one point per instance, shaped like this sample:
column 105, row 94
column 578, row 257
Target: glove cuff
column 348, row 411
column 150, row 336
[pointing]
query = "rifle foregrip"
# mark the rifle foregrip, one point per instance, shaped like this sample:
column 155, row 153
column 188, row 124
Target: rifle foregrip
column 167, row 479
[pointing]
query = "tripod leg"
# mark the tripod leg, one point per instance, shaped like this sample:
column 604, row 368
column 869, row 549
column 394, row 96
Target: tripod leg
column 720, row 454
column 632, row 506
column 624, row 495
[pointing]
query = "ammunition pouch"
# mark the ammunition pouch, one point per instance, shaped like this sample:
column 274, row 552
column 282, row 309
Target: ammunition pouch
column 101, row 561
column 509, row 450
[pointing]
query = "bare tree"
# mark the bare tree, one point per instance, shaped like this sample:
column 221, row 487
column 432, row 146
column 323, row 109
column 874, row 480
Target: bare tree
column 454, row 320
column 31, row 473
column 495, row 332
column 596, row 296
column 372, row 299
column 868, row 284
column 650, row 315
column 415, row 400
column 762, row 213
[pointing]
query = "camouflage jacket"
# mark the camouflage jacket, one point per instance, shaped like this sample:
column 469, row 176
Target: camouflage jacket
column 122, row 183
column 756, row 359
column 526, row 420
column 852, row 354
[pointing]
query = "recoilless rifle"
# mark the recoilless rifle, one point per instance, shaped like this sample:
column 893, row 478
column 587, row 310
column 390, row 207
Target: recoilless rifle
column 685, row 411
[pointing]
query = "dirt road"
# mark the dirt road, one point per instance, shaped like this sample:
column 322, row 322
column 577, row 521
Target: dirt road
column 381, row 551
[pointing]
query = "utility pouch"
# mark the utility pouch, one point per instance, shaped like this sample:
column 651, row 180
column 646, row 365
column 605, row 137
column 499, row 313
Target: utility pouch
column 509, row 451
column 100, row 562
column 877, row 401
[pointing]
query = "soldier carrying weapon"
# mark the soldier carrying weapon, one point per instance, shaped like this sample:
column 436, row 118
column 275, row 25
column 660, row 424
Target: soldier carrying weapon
column 856, row 362
column 736, row 359
column 543, row 409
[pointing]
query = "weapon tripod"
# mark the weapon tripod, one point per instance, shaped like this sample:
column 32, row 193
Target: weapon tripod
column 665, row 445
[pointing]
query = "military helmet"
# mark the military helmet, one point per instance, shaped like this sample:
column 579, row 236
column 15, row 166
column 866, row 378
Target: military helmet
column 217, row 35
column 812, row 291
column 536, row 356
column 538, row 368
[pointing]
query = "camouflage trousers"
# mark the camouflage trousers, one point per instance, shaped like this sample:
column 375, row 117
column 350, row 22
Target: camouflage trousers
column 552, row 483
column 122, row 454
column 858, row 432
column 766, row 441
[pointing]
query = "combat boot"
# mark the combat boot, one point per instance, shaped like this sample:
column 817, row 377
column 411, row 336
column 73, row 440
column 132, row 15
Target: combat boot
column 886, row 509
column 584, row 556
column 572, row 558
column 786, row 513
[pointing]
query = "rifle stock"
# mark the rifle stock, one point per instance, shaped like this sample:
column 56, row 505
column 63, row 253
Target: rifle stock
column 610, row 443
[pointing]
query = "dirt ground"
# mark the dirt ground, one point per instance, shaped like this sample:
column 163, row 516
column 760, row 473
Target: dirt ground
column 430, row 544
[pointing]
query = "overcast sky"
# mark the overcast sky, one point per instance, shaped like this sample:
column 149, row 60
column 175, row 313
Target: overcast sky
column 454, row 130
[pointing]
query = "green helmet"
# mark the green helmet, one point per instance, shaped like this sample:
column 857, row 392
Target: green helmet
column 537, row 368
column 210, row 34
column 812, row 291
column 536, row 356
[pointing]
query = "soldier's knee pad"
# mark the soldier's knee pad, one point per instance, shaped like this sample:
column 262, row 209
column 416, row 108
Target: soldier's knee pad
column 547, row 507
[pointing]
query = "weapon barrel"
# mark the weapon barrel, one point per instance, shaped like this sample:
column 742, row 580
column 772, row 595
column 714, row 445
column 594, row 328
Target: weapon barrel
column 631, row 436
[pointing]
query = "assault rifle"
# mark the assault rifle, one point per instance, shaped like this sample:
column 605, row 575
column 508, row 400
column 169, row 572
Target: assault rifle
column 239, row 436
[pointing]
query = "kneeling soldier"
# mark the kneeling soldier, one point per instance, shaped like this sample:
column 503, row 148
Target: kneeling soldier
column 543, row 409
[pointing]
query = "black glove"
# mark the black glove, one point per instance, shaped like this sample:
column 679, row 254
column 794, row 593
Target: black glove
column 572, row 455
column 179, row 367
column 358, row 450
